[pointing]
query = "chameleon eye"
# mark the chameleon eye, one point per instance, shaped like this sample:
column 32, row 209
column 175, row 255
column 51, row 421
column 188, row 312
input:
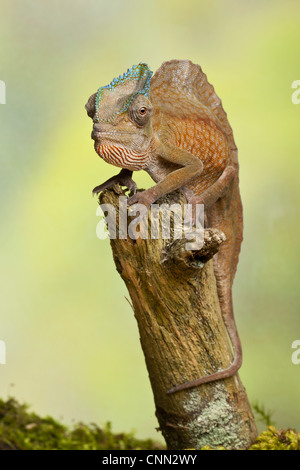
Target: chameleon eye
column 143, row 111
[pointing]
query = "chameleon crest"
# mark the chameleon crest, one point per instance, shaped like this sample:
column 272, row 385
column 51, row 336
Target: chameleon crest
column 115, row 98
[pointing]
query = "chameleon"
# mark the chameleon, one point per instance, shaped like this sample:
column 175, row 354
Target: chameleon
column 172, row 125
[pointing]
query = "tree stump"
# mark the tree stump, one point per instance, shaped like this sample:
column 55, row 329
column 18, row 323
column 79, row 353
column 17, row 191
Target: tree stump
column 174, row 297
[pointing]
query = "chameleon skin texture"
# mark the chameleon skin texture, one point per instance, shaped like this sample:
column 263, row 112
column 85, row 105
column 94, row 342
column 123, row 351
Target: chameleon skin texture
column 181, row 136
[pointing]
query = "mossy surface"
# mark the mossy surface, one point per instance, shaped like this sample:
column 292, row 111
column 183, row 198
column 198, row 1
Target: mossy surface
column 273, row 439
column 23, row 430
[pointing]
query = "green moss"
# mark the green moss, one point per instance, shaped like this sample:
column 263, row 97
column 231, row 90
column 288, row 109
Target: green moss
column 272, row 439
column 22, row 430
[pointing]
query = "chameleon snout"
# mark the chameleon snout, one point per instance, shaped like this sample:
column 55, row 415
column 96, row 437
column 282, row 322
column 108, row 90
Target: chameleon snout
column 96, row 132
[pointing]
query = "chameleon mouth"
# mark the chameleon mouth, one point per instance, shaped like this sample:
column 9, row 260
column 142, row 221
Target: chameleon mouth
column 99, row 135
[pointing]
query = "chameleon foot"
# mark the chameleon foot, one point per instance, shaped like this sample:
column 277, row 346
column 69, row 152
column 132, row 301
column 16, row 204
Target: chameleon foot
column 123, row 179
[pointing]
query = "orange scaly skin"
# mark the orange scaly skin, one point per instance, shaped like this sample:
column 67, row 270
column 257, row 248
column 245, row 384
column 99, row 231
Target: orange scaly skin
column 183, row 140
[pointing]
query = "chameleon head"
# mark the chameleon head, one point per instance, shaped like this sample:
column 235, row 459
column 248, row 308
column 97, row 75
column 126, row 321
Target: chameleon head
column 121, row 113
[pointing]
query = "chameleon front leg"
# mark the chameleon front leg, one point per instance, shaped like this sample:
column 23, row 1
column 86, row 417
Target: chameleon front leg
column 191, row 167
column 123, row 179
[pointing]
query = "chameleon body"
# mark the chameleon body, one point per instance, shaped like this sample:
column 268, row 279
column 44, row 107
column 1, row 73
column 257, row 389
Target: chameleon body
column 174, row 127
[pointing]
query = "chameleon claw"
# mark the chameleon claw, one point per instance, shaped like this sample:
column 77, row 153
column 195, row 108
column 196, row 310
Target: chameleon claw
column 142, row 197
column 123, row 179
column 139, row 203
column 98, row 189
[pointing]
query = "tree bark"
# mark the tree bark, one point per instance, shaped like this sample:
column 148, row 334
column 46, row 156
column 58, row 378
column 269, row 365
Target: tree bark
column 175, row 302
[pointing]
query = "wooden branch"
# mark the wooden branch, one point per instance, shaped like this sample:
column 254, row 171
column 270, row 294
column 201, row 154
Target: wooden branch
column 175, row 302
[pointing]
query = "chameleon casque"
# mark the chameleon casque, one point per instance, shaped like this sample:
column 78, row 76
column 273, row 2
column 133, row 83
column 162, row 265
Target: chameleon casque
column 173, row 126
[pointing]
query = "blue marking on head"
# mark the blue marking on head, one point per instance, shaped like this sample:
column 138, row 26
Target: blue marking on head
column 141, row 73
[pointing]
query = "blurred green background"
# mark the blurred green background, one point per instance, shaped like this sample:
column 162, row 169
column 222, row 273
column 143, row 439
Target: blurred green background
column 72, row 343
